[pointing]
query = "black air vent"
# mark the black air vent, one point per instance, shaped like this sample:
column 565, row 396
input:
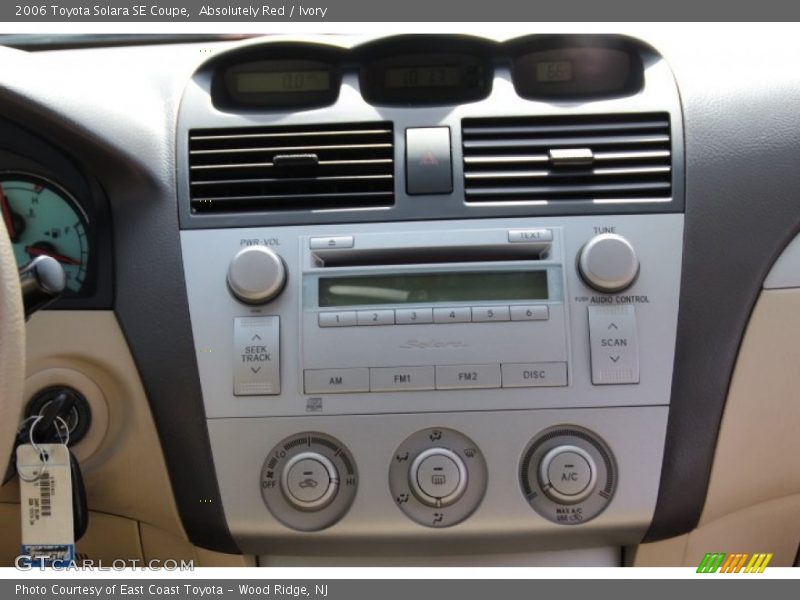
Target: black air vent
column 623, row 158
column 291, row 168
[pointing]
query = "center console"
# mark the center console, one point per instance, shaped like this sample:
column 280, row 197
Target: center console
column 445, row 322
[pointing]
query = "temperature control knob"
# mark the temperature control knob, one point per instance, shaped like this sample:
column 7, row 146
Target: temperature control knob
column 256, row 275
column 608, row 263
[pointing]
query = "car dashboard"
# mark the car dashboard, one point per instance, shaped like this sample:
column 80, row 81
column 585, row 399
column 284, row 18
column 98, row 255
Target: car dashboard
column 443, row 298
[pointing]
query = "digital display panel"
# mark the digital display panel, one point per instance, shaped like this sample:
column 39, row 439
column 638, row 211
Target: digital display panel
column 432, row 287
column 551, row 71
column 423, row 77
column 266, row 82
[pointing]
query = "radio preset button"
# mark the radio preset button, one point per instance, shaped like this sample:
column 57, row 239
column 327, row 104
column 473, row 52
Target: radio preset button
column 614, row 344
column 336, row 381
column 337, row 319
column 334, row 242
column 482, row 314
column 452, row 377
column 551, row 374
column 395, row 379
column 459, row 314
column 256, row 359
column 533, row 312
column 375, row 317
column 528, row 236
column 413, row 316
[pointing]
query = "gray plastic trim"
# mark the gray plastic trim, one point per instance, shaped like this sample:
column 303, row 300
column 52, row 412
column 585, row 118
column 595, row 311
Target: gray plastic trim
column 785, row 273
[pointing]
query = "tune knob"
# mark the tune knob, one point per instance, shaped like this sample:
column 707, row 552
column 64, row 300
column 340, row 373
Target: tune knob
column 608, row 263
column 256, row 275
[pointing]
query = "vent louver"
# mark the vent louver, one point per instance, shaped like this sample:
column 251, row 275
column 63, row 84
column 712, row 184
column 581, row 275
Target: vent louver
column 610, row 158
column 291, row 168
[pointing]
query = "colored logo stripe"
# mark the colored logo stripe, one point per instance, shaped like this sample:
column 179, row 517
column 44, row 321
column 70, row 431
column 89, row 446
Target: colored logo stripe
column 758, row 563
column 734, row 563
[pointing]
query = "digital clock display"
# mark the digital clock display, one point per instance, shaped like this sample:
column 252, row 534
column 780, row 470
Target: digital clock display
column 276, row 82
column 552, row 71
column 423, row 77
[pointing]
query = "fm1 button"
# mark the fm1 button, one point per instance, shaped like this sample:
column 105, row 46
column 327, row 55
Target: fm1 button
column 309, row 481
column 567, row 474
column 438, row 477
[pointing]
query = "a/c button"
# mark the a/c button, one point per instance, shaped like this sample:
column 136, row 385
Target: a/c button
column 568, row 474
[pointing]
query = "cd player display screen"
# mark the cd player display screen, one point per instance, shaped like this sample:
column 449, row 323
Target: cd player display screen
column 433, row 287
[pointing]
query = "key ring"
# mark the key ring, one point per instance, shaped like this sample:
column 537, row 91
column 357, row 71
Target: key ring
column 43, row 456
column 66, row 431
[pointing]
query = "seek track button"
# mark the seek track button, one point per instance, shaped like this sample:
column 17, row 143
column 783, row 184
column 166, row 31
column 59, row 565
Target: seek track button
column 256, row 356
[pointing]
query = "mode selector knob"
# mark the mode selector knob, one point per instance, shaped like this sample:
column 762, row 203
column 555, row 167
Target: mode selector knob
column 608, row 263
column 256, row 275
column 438, row 477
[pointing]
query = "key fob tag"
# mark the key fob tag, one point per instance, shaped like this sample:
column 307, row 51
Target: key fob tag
column 46, row 502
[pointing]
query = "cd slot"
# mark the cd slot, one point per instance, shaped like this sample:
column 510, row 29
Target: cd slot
column 361, row 257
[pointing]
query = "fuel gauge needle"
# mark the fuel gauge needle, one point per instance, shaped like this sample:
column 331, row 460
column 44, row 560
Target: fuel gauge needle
column 6, row 209
column 34, row 251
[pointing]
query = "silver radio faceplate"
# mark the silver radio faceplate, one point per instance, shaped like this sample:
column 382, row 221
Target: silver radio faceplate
column 425, row 358
column 435, row 316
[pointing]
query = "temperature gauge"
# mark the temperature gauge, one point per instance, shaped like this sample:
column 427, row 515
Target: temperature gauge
column 43, row 219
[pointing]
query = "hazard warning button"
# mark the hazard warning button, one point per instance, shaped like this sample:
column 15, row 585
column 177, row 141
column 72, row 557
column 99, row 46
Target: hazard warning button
column 428, row 161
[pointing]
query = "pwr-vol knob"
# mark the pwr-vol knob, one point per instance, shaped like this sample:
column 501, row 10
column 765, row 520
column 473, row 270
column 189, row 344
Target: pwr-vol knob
column 608, row 263
column 256, row 275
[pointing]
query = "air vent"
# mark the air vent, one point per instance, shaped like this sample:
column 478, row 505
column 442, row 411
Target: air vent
column 602, row 158
column 291, row 168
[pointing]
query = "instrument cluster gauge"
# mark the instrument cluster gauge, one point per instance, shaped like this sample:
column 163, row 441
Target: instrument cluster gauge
column 43, row 219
